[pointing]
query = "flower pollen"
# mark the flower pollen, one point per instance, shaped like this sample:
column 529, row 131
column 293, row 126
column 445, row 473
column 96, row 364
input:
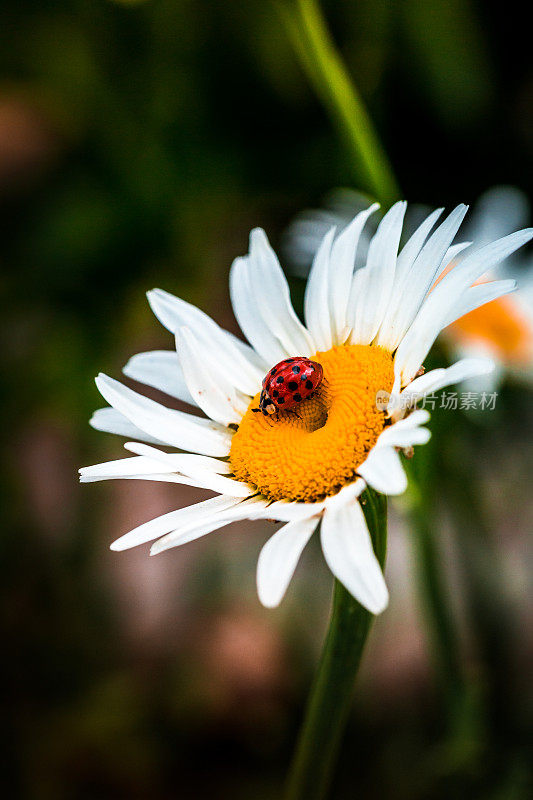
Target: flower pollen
column 311, row 452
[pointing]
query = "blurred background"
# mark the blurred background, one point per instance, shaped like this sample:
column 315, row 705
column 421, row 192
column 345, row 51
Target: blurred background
column 139, row 143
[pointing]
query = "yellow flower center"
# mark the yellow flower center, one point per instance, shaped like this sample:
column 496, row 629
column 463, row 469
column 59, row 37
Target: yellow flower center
column 313, row 451
column 500, row 325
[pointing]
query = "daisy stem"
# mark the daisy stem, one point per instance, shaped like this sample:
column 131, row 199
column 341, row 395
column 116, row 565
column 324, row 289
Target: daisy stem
column 329, row 702
column 327, row 73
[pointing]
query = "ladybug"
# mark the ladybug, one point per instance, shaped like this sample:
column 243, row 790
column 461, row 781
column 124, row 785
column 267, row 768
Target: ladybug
column 289, row 383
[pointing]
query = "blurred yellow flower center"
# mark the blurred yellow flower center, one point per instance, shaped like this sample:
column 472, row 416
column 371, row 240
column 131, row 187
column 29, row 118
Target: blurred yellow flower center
column 313, row 451
column 500, row 325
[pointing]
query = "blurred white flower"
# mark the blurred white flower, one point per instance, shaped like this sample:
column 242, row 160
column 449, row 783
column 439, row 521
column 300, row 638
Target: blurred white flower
column 370, row 329
column 502, row 329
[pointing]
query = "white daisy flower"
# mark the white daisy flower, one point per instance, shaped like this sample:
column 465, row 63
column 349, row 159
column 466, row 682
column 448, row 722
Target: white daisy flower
column 370, row 330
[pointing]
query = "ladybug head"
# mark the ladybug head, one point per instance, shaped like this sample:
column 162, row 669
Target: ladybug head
column 265, row 404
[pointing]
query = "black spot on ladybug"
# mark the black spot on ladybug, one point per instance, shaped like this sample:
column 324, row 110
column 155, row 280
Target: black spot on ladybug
column 303, row 377
column 280, row 379
column 275, row 393
column 296, row 369
column 273, row 371
column 281, row 400
column 292, row 386
column 289, row 360
column 297, row 397
column 309, row 384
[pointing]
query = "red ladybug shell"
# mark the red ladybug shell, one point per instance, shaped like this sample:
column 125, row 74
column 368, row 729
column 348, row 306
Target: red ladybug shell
column 289, row 383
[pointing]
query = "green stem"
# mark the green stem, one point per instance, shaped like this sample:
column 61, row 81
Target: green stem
column 326, row 71
column 330, row 699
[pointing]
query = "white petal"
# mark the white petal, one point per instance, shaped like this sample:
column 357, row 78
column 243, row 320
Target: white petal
column 417, row 388
column 419, row 279
column 288, row 511
column 316, row 301
column 168, row 522
column 439, row 378
column 199, row 468
column 437, row 306
column 381, row 265
column 341, row 271
column 404, row 438
column 349, row 554
column 184, row 536
column 234, row 357
column 407, row 432
column 160, row 369
column 189, row 533
column 410, row 437
column 140, row 468
column 357, row 290
column 259, row 363
column 166, row 477
column 477, row 296
column 414, row 244
column 418, row 417
column 124, row 467
column 172, row 427
column 181, row 461
column 278, row 560
column 272, row 296
column 246, row 310
column 488, row 380
column 404, row 262
column 221, row 484
column 210, row 387
column 383, row 471
column 451, row 256
column 475, row 264
column 348, row 493
column 109, row 420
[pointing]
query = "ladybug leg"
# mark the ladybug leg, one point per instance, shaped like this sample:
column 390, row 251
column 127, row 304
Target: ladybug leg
column 256, row 410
